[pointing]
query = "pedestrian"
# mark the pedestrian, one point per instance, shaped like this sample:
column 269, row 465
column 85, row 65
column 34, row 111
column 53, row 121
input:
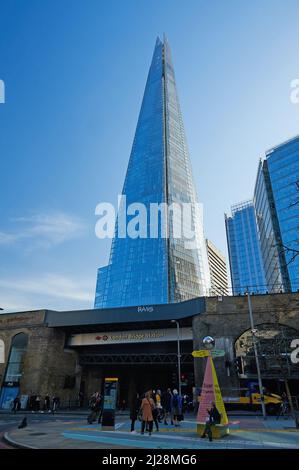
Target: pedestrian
column 158, row 399
column 101, row 407
column 147, row 406
column 32, row 402
column 55, row 403
column 47, row 403
column 134, row 411
column 166, row 404
column 16, row 404
column 81, row 399
column 93, row 408
column 214, row 417
column 176, row 407
column 155, row 412
column 37, row 403
column 185, row 403
column 284, row 406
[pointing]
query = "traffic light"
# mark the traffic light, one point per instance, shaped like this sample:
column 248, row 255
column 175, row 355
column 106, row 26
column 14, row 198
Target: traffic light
column 184, row 379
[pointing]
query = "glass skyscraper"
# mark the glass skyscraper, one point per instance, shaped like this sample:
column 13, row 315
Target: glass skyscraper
column 148, row 270
column 276, row 199
column 245, row 259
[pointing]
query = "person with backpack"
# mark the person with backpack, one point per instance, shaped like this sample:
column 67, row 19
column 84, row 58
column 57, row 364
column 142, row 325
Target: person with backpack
column 176, row 407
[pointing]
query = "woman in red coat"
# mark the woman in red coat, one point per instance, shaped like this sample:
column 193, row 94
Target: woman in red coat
column 147, row 406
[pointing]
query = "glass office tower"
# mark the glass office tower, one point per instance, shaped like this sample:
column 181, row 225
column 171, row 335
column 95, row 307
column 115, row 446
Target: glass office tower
column 152, row 270
column 276, row 199
column 245, row 259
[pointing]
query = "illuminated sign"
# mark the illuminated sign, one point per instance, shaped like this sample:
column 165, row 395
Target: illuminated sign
column 133, row 336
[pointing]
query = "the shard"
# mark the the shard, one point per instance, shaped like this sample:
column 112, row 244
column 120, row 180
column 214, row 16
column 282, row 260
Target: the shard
column 149, row 270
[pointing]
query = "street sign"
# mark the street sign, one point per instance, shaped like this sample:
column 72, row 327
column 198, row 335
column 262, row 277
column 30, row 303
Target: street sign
column 201, row 353
column 206, row 353
column 217, row 352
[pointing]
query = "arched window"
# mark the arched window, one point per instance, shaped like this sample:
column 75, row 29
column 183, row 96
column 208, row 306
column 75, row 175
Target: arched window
column 16, row 358
column 273, row 342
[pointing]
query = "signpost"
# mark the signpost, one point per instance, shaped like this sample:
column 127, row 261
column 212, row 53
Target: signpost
column 210, row 392
column 201, row 353
column 109, row 406
column 217, row 353
column 206, row 353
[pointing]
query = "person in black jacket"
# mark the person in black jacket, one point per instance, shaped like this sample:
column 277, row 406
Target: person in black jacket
column 134, row 410
column 166, row 404
column 214, row 418
column 16, row 405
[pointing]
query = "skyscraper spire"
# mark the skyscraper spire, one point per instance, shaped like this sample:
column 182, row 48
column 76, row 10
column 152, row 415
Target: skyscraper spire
column 153, row 270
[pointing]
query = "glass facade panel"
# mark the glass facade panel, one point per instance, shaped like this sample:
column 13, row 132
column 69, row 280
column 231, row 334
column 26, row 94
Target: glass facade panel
column 269, row 233
column 156, row 270
column 244, row 251
column 282, row 163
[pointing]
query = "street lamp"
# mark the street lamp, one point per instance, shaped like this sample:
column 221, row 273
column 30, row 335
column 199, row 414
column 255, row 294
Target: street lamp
column 254, row 331
column 179, row 354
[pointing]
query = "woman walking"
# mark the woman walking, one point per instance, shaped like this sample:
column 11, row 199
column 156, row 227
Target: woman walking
column 147, row 406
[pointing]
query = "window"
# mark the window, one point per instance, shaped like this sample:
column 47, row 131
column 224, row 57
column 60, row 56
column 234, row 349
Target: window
column 16, row 358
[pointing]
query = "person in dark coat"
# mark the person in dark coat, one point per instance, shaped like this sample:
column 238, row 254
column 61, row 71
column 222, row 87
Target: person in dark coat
column 176, row 407
column 214, row 418
column 166, row 404
column 47, row 403
column 16, row 405
column 134, row 410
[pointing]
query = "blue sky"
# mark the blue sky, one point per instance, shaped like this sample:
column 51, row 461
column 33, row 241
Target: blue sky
column 75, row 72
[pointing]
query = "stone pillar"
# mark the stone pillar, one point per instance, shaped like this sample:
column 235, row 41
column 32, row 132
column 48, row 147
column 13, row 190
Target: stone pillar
column 93, row 380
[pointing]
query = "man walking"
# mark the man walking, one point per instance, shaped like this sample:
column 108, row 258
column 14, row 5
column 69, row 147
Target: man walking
column 176, row 407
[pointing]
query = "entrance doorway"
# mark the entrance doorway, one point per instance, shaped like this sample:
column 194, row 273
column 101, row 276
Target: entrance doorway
column 134, row 379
